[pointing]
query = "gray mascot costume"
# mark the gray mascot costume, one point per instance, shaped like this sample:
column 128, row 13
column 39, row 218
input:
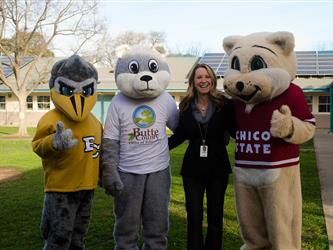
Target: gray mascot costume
column 135, row 149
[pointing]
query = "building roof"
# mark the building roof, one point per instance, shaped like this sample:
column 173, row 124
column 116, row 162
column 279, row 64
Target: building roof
column 179, row 68
column 309, row 63
column 7, row 70
column 313, row 84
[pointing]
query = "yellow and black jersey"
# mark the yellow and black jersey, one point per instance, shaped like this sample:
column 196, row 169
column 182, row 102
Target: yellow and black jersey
column 74, row 169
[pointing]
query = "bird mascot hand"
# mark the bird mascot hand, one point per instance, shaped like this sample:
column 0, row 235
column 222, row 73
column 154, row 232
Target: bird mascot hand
column 63, row 138
column 281, row 123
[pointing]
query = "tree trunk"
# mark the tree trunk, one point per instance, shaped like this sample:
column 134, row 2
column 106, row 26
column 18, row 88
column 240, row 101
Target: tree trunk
column 23, row 131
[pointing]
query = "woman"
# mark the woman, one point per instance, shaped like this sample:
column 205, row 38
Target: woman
column 205, row 116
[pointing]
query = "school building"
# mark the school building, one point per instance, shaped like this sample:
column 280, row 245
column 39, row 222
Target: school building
column 314, row 76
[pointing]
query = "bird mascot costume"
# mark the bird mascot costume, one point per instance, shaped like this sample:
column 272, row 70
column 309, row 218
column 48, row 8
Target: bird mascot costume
column 135, row 148
column 272, row 119
column 68, row 139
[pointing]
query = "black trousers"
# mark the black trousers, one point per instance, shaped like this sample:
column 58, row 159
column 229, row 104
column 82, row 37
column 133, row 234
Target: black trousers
column 195, row 188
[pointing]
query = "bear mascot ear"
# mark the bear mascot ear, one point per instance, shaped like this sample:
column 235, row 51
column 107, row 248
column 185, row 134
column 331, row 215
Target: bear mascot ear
column 229, row 43
column 283, row 39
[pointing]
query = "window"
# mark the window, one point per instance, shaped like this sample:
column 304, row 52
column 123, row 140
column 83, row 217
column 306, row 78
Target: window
column 309, row 101
column 43, row 102
column 29, row 102
column 324, row 104
column 2, row 102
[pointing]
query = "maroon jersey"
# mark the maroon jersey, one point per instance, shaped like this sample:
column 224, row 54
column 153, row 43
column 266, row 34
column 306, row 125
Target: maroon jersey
column 255, row 146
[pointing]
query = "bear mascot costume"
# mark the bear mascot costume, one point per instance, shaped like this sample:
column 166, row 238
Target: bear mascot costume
column 68, row 139
column 272, row 118
column 135, row 148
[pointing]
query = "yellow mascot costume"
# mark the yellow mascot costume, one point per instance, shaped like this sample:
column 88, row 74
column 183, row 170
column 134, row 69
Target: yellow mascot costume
column 68, row 139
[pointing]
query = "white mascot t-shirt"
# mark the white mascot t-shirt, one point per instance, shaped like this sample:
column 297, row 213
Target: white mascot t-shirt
column 140, row 126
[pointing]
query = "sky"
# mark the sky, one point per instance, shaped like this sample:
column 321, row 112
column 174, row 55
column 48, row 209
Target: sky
column 204, row 24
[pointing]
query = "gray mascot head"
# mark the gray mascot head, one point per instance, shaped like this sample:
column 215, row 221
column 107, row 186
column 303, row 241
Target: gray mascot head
column 141, row 72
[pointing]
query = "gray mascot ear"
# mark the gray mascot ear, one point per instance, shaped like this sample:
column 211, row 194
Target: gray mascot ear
column 121, row 50
column 229, row 43
column 161, row 48
column 284, row 39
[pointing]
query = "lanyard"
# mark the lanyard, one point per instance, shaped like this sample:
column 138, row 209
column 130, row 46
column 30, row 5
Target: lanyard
column 204, row 134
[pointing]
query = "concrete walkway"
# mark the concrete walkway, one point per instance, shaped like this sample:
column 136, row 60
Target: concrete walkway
column 324, row 154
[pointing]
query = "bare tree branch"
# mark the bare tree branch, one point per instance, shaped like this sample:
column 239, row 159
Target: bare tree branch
column 25, row 21
column 104, row 48
column 3, row 18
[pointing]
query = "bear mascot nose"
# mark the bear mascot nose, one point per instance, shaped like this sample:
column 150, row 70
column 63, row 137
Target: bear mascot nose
column 240, row 86
column 146, row 78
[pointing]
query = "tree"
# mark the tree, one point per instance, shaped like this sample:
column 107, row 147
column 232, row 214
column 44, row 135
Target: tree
column 104, row 52
column 37, row 41
column 195, row 49
column 32, row 26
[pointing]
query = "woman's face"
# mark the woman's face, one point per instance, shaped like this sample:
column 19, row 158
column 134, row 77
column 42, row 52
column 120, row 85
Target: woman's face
column 202, row 81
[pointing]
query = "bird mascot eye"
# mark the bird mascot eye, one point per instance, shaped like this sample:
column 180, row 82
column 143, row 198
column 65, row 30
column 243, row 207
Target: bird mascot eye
column 65, row 89
column 235, row 63
column 88, row 90
column 153, row 65
column 133, row 67
column 257, row 63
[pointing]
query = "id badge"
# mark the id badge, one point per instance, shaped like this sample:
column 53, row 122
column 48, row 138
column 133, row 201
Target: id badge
column 203, row 151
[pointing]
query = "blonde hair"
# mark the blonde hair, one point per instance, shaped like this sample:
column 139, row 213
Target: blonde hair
column 215, row 95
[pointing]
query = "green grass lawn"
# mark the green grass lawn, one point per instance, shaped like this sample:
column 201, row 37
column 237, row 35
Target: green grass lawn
column 8, row 131
column 21, row 203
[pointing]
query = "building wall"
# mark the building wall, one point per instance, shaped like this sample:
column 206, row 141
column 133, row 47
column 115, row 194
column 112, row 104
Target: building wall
column 322, row 118
column 12, row 118
column 9, row 117
column 177, row 97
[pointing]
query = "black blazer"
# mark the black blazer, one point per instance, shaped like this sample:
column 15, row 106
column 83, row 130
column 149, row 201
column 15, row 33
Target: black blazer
column 217, row 163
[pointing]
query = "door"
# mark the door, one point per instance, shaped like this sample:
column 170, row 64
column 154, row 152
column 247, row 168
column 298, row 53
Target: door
column 101, row 107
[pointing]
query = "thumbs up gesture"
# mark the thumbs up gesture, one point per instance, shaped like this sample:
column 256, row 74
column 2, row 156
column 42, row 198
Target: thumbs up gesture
column 281, row 123
column 63, row 138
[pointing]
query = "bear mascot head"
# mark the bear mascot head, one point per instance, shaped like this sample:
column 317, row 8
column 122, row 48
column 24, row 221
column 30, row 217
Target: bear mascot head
column 141, row 72
column 262, row 66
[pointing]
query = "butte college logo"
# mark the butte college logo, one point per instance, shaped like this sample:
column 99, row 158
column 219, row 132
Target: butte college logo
column 143, row 117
